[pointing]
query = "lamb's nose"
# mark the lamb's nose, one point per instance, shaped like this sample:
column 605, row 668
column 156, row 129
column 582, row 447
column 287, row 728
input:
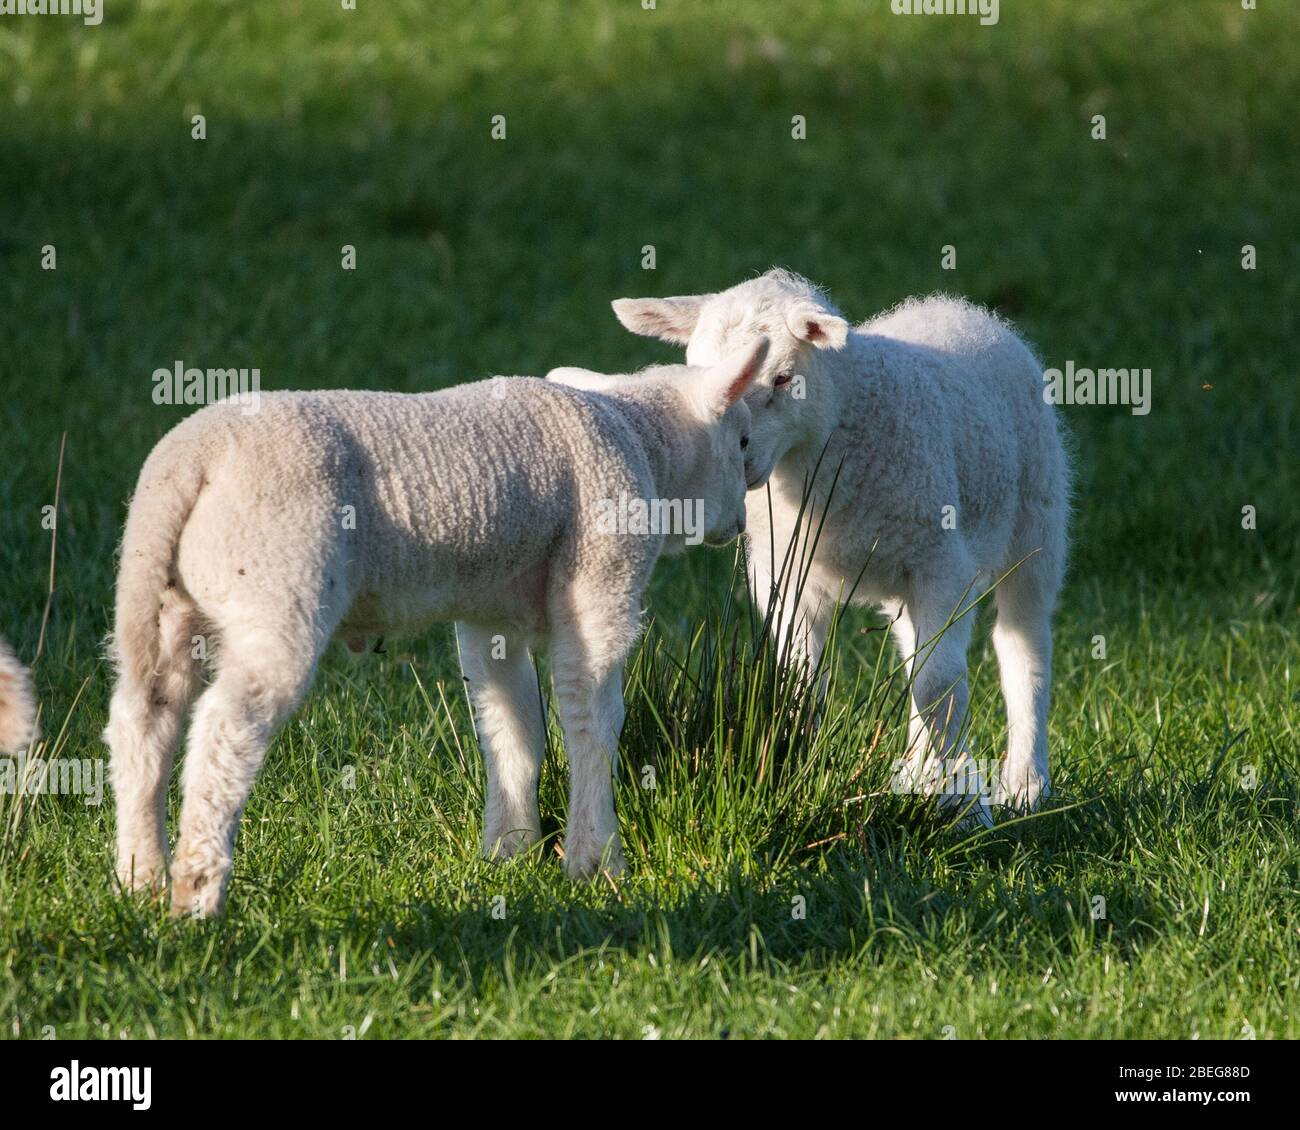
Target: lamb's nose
column 755, row 476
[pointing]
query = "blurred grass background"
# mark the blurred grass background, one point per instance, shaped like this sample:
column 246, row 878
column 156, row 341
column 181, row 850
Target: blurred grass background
column 672, row 127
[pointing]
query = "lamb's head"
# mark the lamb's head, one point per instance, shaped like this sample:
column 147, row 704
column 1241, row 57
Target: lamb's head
column 723, row 470
column 789, row 398
column 706, row 409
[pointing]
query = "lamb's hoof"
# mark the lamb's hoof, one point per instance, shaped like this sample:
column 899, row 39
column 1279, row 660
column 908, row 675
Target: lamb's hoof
column 501, row 844
column 977, row 816
column 197, row 894
column 586, row 859
column 142, row 874
column 969, row 813
column 1027, row 795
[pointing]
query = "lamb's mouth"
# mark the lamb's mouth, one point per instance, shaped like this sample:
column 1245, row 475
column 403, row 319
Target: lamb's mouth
column 717, row 540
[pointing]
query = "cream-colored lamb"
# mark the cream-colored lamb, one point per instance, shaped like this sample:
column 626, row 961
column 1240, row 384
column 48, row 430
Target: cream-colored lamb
column 17, row 702
column 950, row 471
column 358, row 513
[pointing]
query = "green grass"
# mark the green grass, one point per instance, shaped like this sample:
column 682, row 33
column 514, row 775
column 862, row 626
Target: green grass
column 359, row 903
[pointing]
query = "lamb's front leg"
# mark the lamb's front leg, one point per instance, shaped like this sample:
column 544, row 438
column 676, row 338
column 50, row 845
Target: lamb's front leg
column 591, row 712
column 511, row 727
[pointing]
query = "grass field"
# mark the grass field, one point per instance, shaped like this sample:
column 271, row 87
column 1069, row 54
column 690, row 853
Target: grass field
column 789, row 896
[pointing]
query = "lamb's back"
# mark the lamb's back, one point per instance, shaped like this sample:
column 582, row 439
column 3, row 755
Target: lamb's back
column 943, row 408
column 473, row 482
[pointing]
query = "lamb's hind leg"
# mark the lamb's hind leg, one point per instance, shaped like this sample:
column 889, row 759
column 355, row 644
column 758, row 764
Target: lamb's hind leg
column 262, row 673
column 511, row 726
column 1022, row 638
column 144, row 725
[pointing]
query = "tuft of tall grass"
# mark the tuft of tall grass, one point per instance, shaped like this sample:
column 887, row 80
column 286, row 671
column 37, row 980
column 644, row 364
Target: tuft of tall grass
column 733, row 756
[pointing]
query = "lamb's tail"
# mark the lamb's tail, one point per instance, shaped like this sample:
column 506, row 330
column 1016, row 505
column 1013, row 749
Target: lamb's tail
column 156, row 671
column 163, row 500
column 17, row 702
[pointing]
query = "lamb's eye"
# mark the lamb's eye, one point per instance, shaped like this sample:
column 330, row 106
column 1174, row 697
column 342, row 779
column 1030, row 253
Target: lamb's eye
column 744, row 442
column 783, row 379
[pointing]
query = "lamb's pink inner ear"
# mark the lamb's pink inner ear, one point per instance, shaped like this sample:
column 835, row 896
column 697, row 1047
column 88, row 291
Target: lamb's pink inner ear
column 737, row 388
column 750, row 369
column 824, row 330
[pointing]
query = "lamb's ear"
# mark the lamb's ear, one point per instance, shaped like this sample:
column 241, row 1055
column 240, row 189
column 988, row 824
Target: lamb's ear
column 670, row 319
column 729, row 380
column 815, row 324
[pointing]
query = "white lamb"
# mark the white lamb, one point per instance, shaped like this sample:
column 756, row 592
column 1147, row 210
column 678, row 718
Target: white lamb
column 356, row 513
column 951, row 473
column 17, row 702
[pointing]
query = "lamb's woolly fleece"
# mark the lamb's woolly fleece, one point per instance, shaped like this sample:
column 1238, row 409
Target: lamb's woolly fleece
column 933, row 415
column 404, row 509
column 358, row 513
column 17, row 702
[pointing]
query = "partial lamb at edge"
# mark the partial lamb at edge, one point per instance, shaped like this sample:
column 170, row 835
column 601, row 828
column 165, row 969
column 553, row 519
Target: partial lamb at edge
column 17, row 702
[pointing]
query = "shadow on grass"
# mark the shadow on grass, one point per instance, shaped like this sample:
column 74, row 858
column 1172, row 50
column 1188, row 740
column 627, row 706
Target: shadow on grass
column 866, row 900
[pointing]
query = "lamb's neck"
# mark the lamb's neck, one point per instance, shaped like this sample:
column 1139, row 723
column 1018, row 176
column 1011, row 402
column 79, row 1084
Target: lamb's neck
column 828, row 402
column 652, row 421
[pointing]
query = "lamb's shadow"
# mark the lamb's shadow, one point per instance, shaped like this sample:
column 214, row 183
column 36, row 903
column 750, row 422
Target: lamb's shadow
column 866, row 901
column 857, row 903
